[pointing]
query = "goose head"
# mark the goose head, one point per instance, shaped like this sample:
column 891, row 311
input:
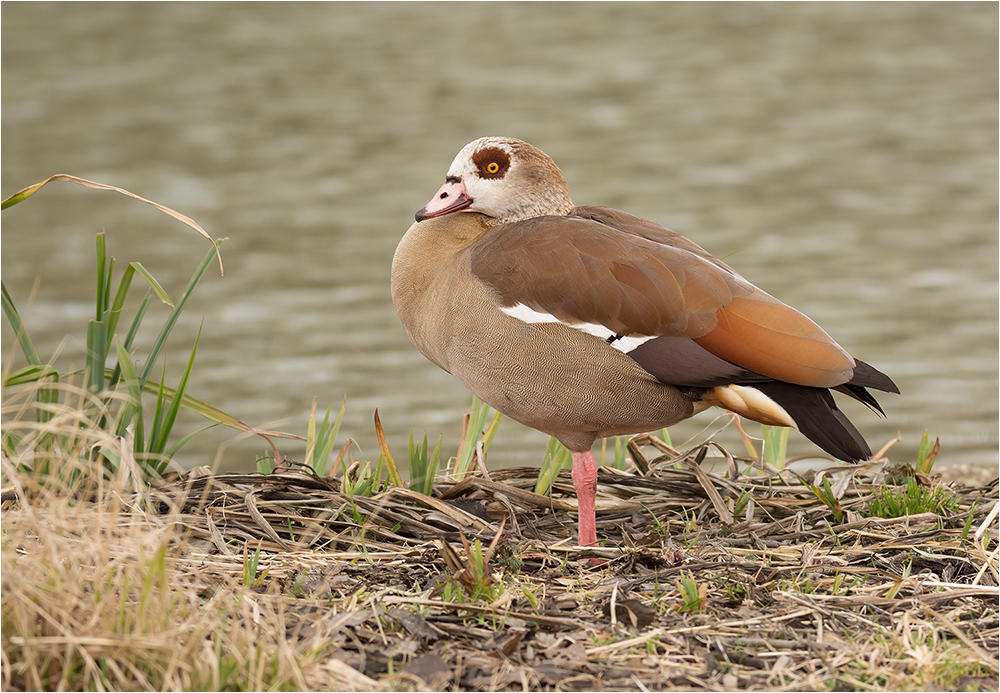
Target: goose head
column 504, row 179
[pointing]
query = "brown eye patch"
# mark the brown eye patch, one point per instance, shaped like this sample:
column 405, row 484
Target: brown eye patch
column 491, row 162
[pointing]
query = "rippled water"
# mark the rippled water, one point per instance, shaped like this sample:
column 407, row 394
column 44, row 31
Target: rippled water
column 847, row 153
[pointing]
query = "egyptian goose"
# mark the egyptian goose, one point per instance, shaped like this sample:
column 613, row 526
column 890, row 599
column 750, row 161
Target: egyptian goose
column 587, row 322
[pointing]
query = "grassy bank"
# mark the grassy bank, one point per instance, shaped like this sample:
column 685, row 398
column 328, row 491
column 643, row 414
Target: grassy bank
column 283, row 581
column 333, row 573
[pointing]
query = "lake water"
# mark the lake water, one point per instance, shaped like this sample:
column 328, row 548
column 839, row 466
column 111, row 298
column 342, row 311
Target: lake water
column 841, row 156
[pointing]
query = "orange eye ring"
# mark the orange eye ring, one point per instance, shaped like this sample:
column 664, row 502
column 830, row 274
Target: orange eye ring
column 492, row 167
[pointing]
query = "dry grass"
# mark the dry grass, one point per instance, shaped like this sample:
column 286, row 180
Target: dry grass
column 103, row 596
column 162, row 591
column 752, row 581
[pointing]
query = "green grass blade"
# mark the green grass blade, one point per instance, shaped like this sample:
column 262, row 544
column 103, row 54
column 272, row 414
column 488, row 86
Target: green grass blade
column 115, row 311
column 424, row 466
column 311, row 437
column 175, row 402
column 132, row 412
column 386, row 455
column 927, row 453
column 22, row 195
column 154, row 353
column 196, row 405
column 158, row 412
column 102, row 278
column 417, row 462
column 97, row 351
column 557, row 456
column 491, row 430
column 620, row 453
column 29, row 374
column 130, row 337
column 477, row 428
column 175, row 448
column 327, row 438
column 45, row 395
column 321, row 439
column 106, row 297
column 466, row 447
column 153, row 284
column 140, row 313
column 433, row 466
column 22, row 334
column 775, row 444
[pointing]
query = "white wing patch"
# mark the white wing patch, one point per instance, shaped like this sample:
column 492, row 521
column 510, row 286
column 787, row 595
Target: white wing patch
column 627, row 344
column 531, row 316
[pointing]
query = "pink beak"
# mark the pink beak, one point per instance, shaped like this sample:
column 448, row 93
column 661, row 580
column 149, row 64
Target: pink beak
column 450, row 198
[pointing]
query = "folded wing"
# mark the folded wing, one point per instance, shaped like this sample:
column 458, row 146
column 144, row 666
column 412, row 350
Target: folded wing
column 636, row 278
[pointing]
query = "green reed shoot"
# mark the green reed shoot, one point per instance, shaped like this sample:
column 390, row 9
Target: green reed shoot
column 894, row 590
column 479, row 569
column 618, row 460
column 386, row 456
column 927, row 453
column 423, row 465
column 320, row 439
column 746, row 495
column 774, row 445
column 692, row 594
column 829, row 498
column 914, row 499
column 473, row 573
column 361, row 479
column 968, row 523
column 475, row 430
column 557, row 457
column 114, row 401
column 250, row 562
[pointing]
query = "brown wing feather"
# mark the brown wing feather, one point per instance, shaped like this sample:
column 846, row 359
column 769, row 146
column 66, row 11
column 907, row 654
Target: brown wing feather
column 567, row 266
column 635, row 277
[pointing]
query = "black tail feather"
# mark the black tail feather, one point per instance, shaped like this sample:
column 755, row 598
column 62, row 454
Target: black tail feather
column 684, row 363
column 862, row 395
column 818, row 419
column 866, row 375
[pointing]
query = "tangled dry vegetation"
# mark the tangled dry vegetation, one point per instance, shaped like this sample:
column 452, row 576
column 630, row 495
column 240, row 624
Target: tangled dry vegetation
column 282, row 581
column 756, row 578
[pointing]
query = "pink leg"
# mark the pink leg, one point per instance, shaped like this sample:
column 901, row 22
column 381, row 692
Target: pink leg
column 585, row 482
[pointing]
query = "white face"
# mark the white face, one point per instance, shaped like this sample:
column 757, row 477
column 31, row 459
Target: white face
column 485, row 167
column 502, row 178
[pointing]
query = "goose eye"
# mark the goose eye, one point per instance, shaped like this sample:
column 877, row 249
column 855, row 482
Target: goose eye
column 491, row 162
